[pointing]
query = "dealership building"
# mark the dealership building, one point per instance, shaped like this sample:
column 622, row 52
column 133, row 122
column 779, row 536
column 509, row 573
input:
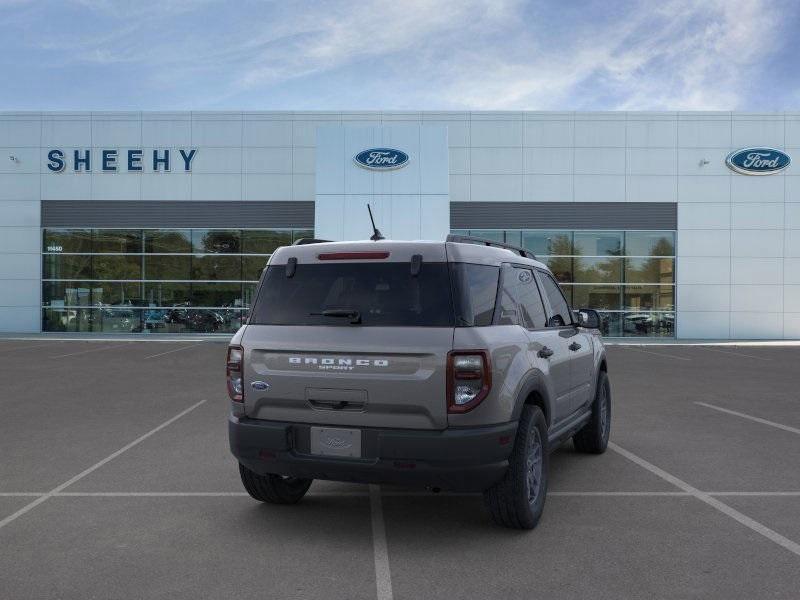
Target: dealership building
column 671, row 224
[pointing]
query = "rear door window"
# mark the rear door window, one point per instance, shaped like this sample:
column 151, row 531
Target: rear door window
column 520, row 301
column 383, row 294
column 559, row 315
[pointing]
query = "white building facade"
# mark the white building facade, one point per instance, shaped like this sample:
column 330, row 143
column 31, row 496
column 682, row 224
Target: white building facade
column 161, row 222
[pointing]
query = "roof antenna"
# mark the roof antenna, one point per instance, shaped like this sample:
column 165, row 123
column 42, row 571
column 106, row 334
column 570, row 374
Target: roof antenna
column 377, row 232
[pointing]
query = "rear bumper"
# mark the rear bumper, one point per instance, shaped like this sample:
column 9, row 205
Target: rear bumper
column 463, row 459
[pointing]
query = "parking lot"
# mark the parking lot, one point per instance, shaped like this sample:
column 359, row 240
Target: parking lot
column 116, row 482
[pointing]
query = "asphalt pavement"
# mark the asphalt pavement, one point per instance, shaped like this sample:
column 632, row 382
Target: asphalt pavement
column 116, row 482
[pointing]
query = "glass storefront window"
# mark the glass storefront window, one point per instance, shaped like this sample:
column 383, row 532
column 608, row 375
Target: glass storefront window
column 249, row 293
column 650, row 243
column 548, row 243
column 176, row 267
column 67, row 240
column 117, row 266
column 650, row 270
column 561, row 266
column 299, row 234
column 649, row 297
column 203, row 280
column 610, row 323
column 165, row 280
column 598, row 243
column 598, row 270
column 167, row 294
column 217, row 294
column 215, row 267
column 598, row 297
column 168, row 241
column 252, row 267
column 264, row 242
column 226, row 241
column 117, row 240
column 648, row 324
column 67, row 266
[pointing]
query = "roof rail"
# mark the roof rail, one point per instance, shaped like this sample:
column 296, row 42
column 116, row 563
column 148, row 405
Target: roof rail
column 466, row 239
column 304, row 241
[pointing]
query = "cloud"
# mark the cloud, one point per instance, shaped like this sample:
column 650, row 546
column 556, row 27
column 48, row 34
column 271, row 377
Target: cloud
column 684, row 56
column 447, row 54
column 325, row 39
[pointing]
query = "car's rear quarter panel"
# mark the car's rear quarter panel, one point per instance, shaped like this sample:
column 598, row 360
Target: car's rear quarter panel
column 508, row 351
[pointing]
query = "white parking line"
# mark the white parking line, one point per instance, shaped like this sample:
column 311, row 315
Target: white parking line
column 383, row 576
column 756, row 494
column 617, row 494
column 750, row 418
column 740, row 354
column 90, row 350
column 171, row 351
column 656, row 353
column 150, row 494
column 734, row 514
column 30, row 506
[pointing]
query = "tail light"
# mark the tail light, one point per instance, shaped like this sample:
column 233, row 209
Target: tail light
column 469, row 379
column 235, row 373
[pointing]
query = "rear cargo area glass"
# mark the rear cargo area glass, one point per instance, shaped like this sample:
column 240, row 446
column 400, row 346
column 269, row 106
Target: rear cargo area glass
column 383, row 294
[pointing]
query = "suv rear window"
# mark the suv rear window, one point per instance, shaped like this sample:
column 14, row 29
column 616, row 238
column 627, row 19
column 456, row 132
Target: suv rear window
column 383, row 294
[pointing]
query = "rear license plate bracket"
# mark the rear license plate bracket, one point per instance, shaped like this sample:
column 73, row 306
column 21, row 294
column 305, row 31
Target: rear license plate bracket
column 333, row 441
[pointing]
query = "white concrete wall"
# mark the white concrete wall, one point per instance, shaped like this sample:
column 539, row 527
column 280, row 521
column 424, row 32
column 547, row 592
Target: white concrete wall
column 410, row 202
column 20, row 233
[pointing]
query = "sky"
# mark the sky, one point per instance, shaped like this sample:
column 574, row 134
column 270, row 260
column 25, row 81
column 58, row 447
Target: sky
column 400, row 55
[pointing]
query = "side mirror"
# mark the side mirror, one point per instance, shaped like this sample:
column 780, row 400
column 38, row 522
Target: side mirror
column 588, row 318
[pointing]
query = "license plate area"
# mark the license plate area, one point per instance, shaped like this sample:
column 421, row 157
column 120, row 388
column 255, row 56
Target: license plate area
column 331, row 441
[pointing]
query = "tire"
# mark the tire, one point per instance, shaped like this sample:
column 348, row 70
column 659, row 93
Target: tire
column 517, row 501
column 593, row 438
column 273, row 489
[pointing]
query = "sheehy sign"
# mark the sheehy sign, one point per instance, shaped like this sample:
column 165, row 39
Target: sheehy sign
column 112, row 160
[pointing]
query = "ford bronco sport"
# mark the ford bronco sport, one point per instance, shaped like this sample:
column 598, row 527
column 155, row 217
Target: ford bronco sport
column 454, row 365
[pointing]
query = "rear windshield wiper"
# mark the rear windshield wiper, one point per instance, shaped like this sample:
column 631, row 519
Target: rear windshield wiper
column 345, row 313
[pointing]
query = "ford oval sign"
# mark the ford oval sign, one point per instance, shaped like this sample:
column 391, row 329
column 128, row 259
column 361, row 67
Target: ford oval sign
column 758, row 161
column 381, row 159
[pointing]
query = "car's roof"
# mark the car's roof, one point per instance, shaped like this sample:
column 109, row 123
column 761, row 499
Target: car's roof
column 403, row 250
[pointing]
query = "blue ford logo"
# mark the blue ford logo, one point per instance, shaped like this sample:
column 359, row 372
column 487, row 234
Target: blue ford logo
column 259, row 385
column 381, row 159
column 758, row 161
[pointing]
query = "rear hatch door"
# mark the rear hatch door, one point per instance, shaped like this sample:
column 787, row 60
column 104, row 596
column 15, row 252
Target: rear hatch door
column 353, row 341
column 370, row 376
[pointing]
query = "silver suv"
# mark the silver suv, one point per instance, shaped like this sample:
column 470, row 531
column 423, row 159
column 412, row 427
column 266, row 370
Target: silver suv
column 454, row 365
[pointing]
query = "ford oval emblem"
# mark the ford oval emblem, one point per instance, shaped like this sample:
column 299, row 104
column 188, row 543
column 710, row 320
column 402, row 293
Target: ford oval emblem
column 758, row 161
column 381, row 159
column 259, row 385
